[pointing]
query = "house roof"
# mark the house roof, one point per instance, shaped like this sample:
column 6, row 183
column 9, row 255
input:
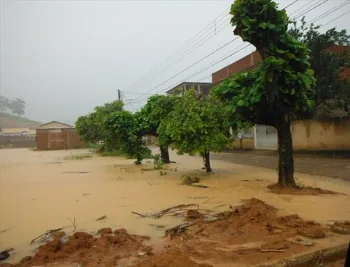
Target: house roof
column 187, row 83
column 55, row 124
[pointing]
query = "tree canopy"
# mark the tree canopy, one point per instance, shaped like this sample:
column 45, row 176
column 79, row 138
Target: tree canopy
column 280, row 86
column 151, row 115
column 92, row 127
column 197, row 126
column 332, row 90
column 123, row 128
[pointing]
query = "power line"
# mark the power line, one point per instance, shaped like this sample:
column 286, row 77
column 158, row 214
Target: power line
column 183, row 46
column 342, row 15
column 183, row 71
column 183, row 55
column 290, row 4
column 211, row 65
column 200, row 43
column 318, row 4
column 142, row 95
column 303, row 7
column 329, row 12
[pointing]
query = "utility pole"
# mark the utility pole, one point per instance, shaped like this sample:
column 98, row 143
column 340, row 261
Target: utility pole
column 119, row 95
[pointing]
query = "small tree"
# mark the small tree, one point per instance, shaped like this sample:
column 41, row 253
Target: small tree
column 92, row 126
column 124, row 128
column 279, row 87
column 151, row 115
column 332, row 90
column 197, row 126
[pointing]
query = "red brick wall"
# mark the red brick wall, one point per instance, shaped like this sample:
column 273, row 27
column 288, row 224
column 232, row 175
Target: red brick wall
column 241, row 64
column 345, row 74
column 250, row 60
column 54, row 139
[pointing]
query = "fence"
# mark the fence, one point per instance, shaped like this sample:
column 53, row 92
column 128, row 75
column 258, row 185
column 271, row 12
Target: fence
column 17, row 141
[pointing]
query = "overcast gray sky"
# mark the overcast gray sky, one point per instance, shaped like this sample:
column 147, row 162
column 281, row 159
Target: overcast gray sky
column 65, row 57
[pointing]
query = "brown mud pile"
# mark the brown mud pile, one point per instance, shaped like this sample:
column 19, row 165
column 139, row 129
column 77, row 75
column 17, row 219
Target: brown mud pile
column 248, row 234
column 87, row 250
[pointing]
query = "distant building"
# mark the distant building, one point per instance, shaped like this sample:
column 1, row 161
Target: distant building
column 57, row 135
column 200, row 88
column 17, row 132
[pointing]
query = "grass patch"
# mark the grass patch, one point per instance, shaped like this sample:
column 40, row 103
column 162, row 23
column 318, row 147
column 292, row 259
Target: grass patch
column 78, row 156
column 189, row 179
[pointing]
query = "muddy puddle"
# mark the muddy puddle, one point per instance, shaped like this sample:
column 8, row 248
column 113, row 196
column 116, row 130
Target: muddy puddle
column 47, row 190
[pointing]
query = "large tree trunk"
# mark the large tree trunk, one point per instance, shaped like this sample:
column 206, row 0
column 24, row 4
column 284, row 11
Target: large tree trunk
column 164, row 154
column 285, row 150
column 206, row 161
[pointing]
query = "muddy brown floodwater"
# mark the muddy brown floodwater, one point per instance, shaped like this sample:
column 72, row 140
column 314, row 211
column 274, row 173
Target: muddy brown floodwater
column 46, row 190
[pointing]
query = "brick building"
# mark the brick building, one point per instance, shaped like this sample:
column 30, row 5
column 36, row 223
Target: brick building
column 248, row 62
column 56, row 135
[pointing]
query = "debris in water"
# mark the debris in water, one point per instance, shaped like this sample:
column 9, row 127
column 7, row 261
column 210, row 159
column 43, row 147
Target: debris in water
column 101, row 218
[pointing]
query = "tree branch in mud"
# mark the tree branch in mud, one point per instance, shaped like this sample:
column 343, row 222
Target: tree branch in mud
column 178, row 229
column 161, row 213
column 45, row 234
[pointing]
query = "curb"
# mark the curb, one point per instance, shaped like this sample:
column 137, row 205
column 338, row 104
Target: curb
column 314, row 258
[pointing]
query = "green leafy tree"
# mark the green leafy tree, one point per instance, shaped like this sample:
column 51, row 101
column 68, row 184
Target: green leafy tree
column 92, row 128
column 17, row 106
column 332, row 90
column 197, row 126
column 86, row 128
column 280, row 86
column 151, row 115
column 124, row 128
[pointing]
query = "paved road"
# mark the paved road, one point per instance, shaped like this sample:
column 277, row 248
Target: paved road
column 310, row 164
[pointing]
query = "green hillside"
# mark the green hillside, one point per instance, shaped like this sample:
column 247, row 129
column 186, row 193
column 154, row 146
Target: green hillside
column 13, row 121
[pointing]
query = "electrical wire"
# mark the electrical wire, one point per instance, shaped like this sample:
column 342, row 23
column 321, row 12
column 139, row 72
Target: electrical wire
column 198, row 44
column 329, row 12
column 303, row 7
column 318, row 4
column 182, row 47
column 290, row 4
column 144, row 94
column 342, row 15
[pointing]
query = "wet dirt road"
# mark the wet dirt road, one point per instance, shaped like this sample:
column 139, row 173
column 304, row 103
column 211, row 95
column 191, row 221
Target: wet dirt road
column 45, row 190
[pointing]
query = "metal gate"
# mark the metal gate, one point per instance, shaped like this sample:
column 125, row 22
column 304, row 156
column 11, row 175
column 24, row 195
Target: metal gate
column 265, row 137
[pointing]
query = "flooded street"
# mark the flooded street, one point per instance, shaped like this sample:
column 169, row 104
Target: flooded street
column 48, row 190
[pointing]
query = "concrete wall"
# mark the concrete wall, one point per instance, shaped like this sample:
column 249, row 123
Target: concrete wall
column 244, row 143
column 330, row 134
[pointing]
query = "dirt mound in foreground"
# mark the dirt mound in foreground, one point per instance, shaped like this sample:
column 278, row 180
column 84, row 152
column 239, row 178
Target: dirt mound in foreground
column 247, row 234
column 87, row 250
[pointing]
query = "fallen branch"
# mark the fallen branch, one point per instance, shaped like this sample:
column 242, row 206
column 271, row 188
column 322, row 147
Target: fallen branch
column 199, row 185
column 161, row 213
column 133, row 212
column 177, row 229
column 46, row 233
column 272, row 250
column 101, row 218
